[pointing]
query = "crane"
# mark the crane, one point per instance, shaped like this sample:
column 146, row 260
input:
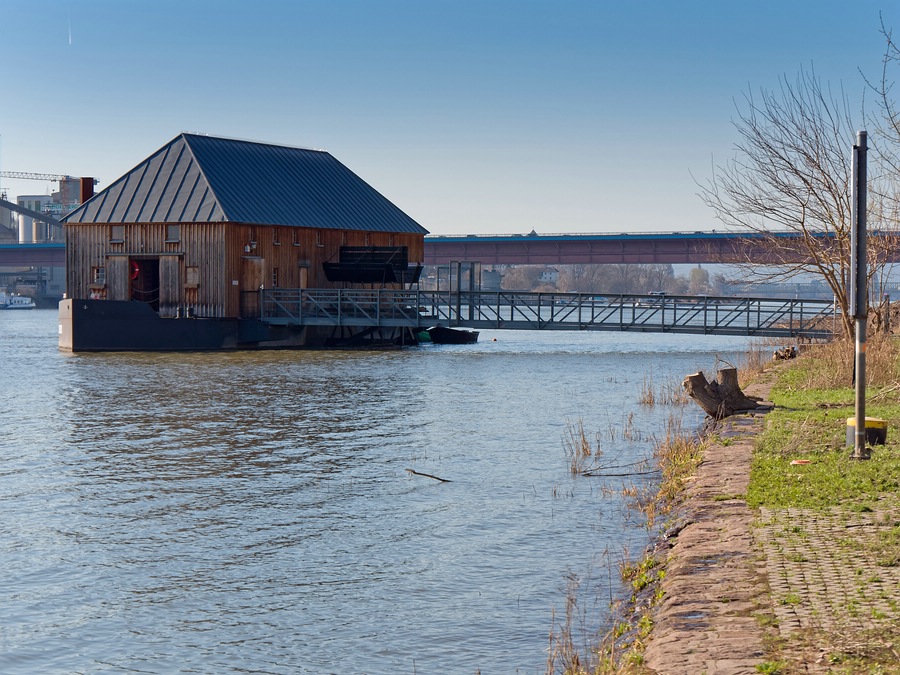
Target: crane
column 32, row 176
column 26, row 175
column 29, row 175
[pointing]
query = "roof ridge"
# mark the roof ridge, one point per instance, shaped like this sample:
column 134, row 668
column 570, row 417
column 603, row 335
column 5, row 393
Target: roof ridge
column 216, row 179
column 251, row 141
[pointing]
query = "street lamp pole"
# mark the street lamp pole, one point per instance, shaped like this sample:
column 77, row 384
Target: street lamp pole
column 859, row 296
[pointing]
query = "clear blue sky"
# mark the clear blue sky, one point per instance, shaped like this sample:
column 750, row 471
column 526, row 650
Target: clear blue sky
column 473, row 116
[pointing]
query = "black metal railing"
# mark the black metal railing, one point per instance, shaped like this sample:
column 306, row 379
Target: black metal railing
column 550, row 311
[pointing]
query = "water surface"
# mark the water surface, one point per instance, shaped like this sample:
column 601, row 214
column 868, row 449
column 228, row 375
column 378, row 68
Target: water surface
column 252, row 512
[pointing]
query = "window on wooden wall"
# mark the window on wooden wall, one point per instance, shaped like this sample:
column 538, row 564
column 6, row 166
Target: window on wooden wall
column 343, row 237
column 98, row 276
column 275, row 240
column 116, row 234
column 367, row 239
column 274, row 277
column 192, row 276
column 295, row 236
column 173, row 233
column 391, row 240
column 320, row 238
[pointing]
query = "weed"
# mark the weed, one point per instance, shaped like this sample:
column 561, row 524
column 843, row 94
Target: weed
column 727, row 498
column 577, row 446
column 765, row 619
column 669, row 392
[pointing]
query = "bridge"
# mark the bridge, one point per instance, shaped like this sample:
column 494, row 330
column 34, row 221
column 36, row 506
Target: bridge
column 703, row 315
column 47, row 254
column 620, row 248
column 531, row 249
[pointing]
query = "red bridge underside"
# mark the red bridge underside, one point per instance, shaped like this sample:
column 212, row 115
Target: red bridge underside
column 610, row 249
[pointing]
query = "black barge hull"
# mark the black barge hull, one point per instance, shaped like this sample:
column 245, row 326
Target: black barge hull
column 109, row 325
column 125, row 326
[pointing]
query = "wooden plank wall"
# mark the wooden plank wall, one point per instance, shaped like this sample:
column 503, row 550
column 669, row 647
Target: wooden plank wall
column 206, row 269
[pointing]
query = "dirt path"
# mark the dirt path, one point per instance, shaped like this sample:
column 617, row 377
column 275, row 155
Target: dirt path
column 715, row 582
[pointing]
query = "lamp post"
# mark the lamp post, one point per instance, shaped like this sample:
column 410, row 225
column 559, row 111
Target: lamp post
column 858, row 291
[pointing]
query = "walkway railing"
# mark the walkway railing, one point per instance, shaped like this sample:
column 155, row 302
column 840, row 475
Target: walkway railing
column 550, row 311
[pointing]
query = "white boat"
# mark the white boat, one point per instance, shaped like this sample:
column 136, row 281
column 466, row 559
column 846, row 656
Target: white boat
column 16, row 301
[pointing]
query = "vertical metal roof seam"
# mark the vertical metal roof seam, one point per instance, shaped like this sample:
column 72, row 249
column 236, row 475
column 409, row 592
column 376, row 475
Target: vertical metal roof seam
column 309, row 211
column 284, row 170
column 160, row 160
column 97, row 205
column 182, row 164
column 329, row 198
column 120, row 190
column 228, row 193
column 203, row 175
column 137, row 185
column 190, row 195
column 164, row 190
column 205, row 197
column 369, row 196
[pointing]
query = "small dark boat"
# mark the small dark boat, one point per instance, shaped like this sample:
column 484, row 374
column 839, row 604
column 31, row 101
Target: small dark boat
column 452, row 336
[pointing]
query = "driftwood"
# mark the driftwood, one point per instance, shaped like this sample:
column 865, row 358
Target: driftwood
column 428, row 475
column 784, row 353
column 719, row 398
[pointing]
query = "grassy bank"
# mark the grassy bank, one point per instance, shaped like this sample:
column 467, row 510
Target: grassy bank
column 821, row 510
column 813, row 399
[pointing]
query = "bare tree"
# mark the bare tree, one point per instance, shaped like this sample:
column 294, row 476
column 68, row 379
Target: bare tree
column 658, row 276
column 791, row 173
column 886, row 118
column 582, row 278
column 521, row 277
column 884, row 195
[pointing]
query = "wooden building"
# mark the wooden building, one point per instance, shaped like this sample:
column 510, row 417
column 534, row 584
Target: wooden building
column 197, row 228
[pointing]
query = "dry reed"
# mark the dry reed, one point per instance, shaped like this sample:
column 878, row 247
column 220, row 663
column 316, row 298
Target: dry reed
column 668, row 392
column 882, row 364
column 677, row 454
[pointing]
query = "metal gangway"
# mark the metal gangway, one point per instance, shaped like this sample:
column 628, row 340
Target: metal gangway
column 658, row 313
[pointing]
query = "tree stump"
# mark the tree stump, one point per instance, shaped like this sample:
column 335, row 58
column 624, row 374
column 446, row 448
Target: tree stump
column 719, row 398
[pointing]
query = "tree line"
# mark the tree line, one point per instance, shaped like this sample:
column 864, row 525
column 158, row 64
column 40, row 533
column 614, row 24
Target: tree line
column 618, row 278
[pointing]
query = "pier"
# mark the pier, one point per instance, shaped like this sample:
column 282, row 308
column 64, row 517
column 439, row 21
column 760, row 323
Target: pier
column 703, row 315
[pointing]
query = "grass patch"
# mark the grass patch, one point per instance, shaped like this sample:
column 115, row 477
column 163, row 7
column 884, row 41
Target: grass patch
column 813, row 397
column 810, row 423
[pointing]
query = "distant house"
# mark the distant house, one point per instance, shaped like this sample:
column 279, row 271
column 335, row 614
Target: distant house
column 197, row 228
column 550, row 275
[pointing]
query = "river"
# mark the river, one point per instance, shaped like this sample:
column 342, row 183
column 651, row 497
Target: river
column 243, row 512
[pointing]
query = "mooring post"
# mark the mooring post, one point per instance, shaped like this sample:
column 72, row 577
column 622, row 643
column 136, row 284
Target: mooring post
column 858, row 292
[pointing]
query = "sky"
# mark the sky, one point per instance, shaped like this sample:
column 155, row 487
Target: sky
column 473, row 116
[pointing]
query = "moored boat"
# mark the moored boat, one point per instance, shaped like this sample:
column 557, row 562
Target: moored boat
column 452, row 336
column 16, row 301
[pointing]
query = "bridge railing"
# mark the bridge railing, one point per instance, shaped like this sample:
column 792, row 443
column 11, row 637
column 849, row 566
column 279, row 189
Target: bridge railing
column 550, row 311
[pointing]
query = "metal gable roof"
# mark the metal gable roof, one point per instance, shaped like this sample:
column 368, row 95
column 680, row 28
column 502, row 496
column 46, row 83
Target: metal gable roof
column 198, row 178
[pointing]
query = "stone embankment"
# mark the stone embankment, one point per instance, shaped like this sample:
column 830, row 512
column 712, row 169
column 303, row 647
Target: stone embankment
column 769, row 591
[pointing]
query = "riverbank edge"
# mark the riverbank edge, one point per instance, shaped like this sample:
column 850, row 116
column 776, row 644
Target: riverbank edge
column 706, row 605
column 796, row 588
column 692, row 609
column 714, row 593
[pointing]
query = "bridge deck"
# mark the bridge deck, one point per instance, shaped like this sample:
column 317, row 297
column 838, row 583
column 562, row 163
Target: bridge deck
column 763, row 317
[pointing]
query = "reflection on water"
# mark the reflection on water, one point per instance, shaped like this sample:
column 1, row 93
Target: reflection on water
column 251, row 512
